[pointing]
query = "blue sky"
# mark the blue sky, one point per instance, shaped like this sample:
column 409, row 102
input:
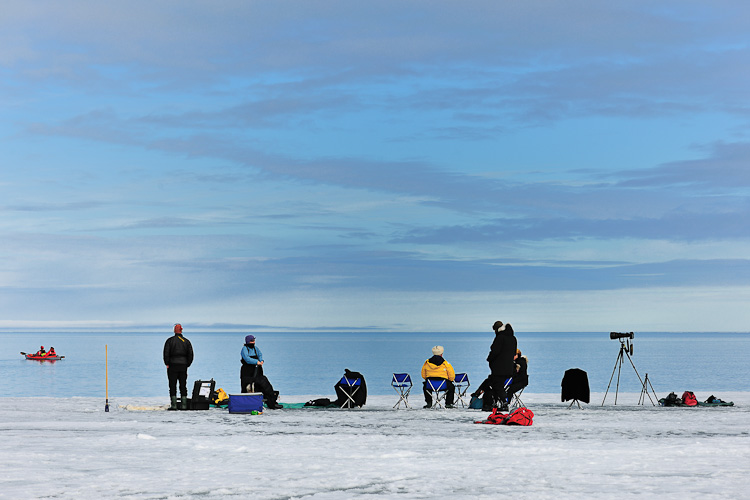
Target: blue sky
column 401, row 166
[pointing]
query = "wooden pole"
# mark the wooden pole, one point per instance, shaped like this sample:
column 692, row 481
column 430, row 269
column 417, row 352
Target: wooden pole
column 106, row 379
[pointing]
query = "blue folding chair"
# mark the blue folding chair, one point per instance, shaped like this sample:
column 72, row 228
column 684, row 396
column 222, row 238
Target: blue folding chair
column 402, row 384
column 349, row 387
column 438, row 390
column 462, row 385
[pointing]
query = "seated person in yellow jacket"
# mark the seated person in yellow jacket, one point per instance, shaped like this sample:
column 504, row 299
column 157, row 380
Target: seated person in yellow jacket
column 437, row 369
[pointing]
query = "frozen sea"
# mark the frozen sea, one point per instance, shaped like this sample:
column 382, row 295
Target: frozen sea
column 70, row 448
column 56, row 440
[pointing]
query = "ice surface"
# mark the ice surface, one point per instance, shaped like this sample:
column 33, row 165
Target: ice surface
column 71, row 448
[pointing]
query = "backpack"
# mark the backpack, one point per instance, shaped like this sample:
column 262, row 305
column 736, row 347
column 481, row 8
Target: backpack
column 689, row 399
column 323, row 402
column 671, row 400
column 219, row 397
column 475, row 403
column 519, row 416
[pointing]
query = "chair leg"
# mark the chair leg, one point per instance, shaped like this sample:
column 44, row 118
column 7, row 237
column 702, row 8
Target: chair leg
column 439, row 401
column 403, row 396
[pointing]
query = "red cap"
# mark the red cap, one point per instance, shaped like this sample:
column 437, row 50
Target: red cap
column 178, row 328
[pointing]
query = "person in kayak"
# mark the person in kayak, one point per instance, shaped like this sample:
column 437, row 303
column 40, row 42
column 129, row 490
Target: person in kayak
column 41, row 352
column 251, row 373
column 437, row 369
column 51, row 353
column 178, row 356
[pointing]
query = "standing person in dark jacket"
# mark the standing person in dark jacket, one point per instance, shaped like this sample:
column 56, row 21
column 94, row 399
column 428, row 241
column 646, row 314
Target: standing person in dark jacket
column 178, row 356
column 501, row 363
column 251, row 373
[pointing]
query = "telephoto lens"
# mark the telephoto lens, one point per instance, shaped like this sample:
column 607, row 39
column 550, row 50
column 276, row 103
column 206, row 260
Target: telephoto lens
column 617, row 335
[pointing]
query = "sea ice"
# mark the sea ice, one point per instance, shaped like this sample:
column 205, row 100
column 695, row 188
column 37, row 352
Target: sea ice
column 69, row 448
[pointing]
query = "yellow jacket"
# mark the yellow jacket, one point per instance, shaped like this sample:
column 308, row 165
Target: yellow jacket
column 442, row 370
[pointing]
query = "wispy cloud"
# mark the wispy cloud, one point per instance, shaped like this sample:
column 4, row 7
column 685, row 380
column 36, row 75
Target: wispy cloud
column 238, row 160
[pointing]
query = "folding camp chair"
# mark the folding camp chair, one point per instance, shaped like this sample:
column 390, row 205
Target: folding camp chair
column 402, row 384
column 462, row 385
column 350, row 386
column 515, row 400
column 438, row 390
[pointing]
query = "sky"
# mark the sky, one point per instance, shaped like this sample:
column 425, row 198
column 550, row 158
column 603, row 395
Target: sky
column 375, row 166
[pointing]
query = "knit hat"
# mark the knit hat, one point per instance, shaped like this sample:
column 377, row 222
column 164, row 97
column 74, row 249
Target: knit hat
column 437, row 350
column 250, row 339
column 178, row 328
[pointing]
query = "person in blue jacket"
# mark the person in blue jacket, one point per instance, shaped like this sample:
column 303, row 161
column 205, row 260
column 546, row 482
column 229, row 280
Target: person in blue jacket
column 251, row 373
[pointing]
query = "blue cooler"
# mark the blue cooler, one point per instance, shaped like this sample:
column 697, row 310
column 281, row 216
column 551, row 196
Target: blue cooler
column 246, row 403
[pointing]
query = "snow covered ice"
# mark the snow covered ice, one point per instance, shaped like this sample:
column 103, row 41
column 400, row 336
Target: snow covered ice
column 71, row 448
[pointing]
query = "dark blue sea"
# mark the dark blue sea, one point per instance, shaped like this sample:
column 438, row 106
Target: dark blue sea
column 310, row 364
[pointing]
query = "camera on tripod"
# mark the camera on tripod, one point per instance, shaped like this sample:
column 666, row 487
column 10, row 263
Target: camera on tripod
column 626, row 352
column 616, row 335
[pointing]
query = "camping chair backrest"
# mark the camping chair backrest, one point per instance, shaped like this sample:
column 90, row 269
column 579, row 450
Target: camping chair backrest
column 508, row 381
column 401, row 380
column 350, row 382
column 401, row 383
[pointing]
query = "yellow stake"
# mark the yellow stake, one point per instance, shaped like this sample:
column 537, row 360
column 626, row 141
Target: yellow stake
column 106, row 379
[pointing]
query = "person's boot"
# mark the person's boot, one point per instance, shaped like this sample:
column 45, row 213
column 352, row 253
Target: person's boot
column 173, row 400
column 183, row 403
column 273, row 405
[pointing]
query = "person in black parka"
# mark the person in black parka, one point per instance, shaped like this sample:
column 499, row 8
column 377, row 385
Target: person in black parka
column 521, row 377
column 501, row 363
column 178, row 356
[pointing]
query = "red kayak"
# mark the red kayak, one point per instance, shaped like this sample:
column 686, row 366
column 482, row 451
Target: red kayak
column 42, row 358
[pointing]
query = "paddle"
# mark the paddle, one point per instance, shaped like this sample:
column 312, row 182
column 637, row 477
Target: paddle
column 23, row 353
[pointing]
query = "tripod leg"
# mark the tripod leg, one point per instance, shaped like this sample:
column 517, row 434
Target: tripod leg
column 652, row 390
column 618, row 360
column 619, row 370
column 643, row 384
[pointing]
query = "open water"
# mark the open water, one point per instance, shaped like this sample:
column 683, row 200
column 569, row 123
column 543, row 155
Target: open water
column 305, row 363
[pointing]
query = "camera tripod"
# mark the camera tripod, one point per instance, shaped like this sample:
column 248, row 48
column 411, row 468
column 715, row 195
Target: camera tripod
column 626, row 350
